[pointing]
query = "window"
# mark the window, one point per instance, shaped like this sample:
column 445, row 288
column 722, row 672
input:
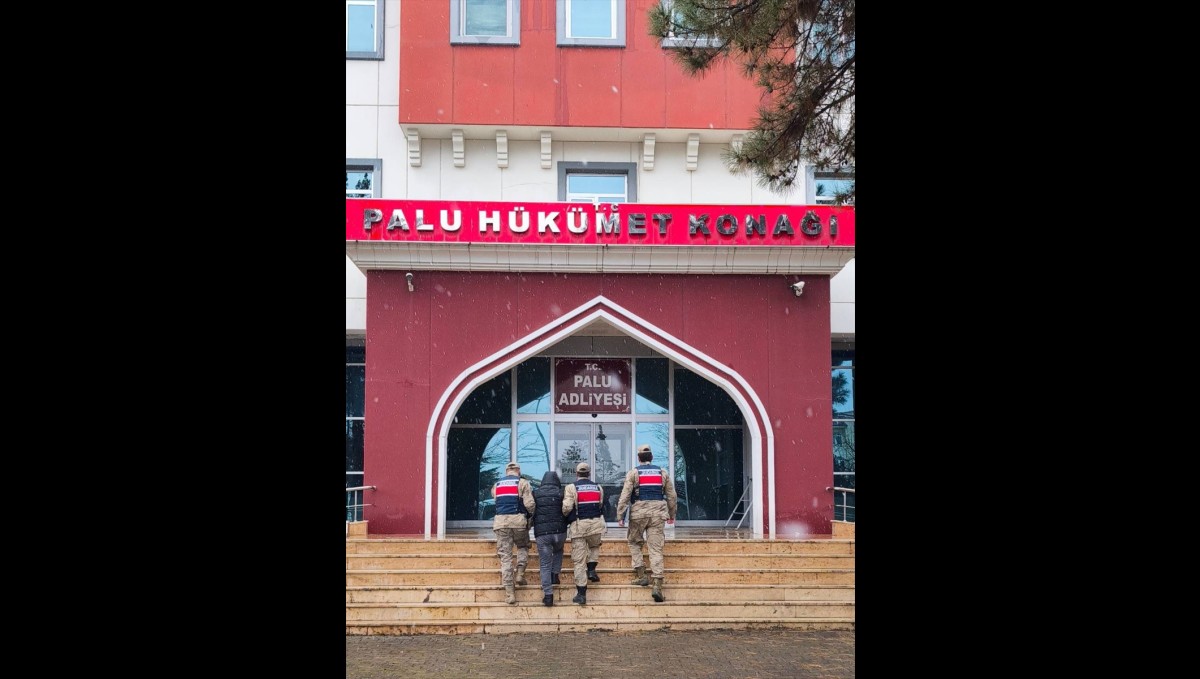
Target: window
column 364, row 29
column 591, row 23
column 843, row 431
column 828, row 186
column 709, row 448
column 485, row 22
column 597, row 182
column 363, row 176
column 677, row 37
column 356, row 367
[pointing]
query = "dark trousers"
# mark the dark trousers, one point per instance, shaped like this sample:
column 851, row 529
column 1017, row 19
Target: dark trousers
column 550, row 558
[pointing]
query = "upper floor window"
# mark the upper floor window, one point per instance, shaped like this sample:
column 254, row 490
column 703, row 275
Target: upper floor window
column 363, row 177
column 485, row 22
column 597, row 182
column 591, row 23
column 364, row 29
column 677, row 35
column 828, row 187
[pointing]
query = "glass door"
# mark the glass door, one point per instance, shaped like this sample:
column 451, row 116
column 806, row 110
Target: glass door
column 606, row 446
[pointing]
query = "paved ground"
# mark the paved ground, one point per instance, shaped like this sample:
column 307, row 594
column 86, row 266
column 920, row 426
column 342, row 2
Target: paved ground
column 716, row 654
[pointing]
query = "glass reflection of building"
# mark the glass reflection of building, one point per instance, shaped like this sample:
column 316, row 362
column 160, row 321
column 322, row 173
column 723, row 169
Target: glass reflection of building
column 843, row 431
column 669, row 401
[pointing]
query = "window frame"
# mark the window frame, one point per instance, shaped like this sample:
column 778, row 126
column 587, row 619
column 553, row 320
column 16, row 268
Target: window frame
column 696, row 41
column 359, row 474
column 372, row 165
column 629, row 170
column 842, row 174
column 563, row 8
column 843, row 359
column 377, row 54
column 458, row 14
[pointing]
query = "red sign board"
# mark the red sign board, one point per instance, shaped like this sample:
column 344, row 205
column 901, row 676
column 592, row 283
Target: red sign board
column 438, row 221
column 591, row 385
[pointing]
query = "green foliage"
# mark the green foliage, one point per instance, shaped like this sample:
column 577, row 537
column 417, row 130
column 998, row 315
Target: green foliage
column 801, row 52
column 841, row 387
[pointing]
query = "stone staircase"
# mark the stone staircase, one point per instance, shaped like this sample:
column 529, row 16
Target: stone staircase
column 402, row 586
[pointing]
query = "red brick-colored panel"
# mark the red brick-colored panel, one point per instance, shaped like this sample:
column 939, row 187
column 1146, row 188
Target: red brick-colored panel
column 483, row 85
column 695, row 101
column 536, row 76
column 426, row 63
column 471, row 316
column 743, row 100
column 419, row 342
column 800, row 397
column 643, row 76
column 398, row 402
column 590, row 87
column 539, row 83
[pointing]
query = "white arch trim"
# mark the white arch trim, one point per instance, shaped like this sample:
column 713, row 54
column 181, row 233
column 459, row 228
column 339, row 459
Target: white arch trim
column 581, row 319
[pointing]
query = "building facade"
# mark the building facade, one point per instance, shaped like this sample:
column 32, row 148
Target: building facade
column 691, row 333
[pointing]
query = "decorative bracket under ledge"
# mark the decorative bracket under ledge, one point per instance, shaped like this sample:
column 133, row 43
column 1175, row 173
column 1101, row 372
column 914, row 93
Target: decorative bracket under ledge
column 693, row 151
column 414, row 146
column 501, row 148
column 460, row 155
column 546, row 160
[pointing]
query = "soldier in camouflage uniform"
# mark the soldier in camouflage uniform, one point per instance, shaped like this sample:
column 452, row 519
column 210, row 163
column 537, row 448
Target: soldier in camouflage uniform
column 514, row 505
column 649, row 494
column 586, row 532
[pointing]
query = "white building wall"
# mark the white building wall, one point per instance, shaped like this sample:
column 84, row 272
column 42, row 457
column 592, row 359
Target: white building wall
column 841, row 301
column 373, row 131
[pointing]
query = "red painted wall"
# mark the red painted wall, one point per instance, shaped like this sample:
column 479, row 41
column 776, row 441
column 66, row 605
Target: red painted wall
column 540, row 83
column 419, row 342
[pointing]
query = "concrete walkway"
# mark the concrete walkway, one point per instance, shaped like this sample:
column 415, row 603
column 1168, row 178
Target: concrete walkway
column 716, row 654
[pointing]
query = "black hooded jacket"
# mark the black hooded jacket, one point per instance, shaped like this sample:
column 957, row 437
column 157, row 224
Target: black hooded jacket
column 548, row 517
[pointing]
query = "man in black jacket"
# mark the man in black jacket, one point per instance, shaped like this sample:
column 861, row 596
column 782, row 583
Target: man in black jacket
column 550, row 531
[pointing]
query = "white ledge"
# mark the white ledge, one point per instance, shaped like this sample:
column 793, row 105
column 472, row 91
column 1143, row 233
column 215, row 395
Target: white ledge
column 665, row 259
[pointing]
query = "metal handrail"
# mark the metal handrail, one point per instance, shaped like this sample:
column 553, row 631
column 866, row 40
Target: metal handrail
column 846, row 515
column 738, row 510
column 354, row 504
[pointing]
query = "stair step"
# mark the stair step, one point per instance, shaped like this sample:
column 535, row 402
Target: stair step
column 565, row 609
column 607, row 561
column 475, row 545
column 402, row 627
column 406, row 585
column 490, row 576
column 532, row 593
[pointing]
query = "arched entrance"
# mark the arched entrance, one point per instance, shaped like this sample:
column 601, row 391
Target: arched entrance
column 620, row 432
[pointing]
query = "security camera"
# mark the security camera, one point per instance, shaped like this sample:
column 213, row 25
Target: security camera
column 409, row 277
column 798, row 288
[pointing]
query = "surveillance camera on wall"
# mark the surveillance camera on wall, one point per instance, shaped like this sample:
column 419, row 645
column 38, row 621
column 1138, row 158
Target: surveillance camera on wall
column 798, row 288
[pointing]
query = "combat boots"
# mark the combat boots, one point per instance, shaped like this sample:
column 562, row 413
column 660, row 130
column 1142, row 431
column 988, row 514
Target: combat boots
column 510, row 594
column 592, row 571
column 657, row 591
column 520, row 578
column 580, row 595
column 641, row 578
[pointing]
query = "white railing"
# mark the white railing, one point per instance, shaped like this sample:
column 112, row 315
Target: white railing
column 354, row 504
column 742, row 509
column 847, row 512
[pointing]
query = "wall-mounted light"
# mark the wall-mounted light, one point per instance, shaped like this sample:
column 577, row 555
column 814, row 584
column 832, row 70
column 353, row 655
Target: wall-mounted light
column 797, row 288
column 408, row 277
